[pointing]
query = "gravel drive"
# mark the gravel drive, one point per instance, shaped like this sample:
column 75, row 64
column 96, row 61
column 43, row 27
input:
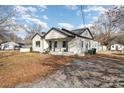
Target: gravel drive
column 81, row 74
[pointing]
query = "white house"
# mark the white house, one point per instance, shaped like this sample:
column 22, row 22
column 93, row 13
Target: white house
column 9, row 46
column 117, row 47
column 62, row 41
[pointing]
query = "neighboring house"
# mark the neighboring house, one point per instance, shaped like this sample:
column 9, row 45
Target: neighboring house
column 9, row 46
column 62, row 41
column 98, row 46
column 117, row 47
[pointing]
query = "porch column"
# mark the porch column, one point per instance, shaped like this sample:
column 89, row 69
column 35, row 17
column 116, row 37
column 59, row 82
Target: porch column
column 52, row 45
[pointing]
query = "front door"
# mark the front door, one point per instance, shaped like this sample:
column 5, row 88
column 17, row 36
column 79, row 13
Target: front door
column 65, row 45
column 116, row 47
column 55, row 45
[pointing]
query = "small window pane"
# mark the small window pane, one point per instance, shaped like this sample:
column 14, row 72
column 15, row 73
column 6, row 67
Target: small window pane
column 37, row 43
column 82, row 44
column 64, row 44
column 89, row 45
column 50, row 45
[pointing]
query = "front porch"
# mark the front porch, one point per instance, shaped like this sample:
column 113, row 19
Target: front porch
column 58, row 45
column 61, row 47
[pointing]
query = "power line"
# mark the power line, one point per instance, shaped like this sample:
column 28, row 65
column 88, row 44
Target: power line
column 83, row 14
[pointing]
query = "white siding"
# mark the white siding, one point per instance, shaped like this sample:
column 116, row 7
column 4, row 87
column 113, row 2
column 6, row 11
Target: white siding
column 98, row 46
column 24, row 49
column 9, row 46
column 87, row 44
column 34, row 48
column 54, row 35
column 75, row 45
column 86, row 34
column 45, row 44
column 72, row 46
column 117, row 47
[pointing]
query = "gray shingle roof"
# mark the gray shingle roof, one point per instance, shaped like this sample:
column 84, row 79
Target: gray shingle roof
column 66, row 32
column 79, row 31
column 70, row 33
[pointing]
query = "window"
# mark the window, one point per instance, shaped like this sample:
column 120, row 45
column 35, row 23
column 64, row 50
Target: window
column 89, row 44
column 55, row 44
column 82, row 44
column 86, row 45
column 37, row 43
column 50, row 45
column 64, row 44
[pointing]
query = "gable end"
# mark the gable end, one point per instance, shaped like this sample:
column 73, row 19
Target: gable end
column 87, row 29
column 37, row 34
column 59, row 32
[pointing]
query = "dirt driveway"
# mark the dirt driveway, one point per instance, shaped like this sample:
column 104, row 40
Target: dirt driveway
column 89, row 71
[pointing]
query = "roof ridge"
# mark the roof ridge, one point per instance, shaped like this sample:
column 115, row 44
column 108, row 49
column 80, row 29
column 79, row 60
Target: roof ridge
column 68, row 31
column 72, row 32
column 80, row 28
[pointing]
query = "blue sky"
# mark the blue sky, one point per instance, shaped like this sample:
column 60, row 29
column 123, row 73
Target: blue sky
column 56, row 16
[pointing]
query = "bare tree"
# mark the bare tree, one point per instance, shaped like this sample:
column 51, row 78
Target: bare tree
column 8, row 25
column 108, row 25
column 31, row 30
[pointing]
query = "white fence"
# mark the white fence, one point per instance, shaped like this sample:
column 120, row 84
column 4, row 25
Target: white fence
column 25, row 49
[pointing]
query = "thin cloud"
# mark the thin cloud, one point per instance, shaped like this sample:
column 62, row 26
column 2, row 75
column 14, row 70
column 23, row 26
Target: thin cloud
column 45, row 17
column 42, row 7
column 32, row 9
column 66, row 25
column 20, row 9
column 86, row 25
column 78, row 13
column 28, row 18
column 99, row 9
column 72, row 7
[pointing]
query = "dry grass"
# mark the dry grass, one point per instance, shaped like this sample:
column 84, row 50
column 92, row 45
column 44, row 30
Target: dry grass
column 18, row 67
column 113, row 53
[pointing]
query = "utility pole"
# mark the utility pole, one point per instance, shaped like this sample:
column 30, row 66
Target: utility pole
column 83, row 14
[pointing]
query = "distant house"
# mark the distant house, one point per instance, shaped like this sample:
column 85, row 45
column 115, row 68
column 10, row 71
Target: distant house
column 117, row 47
column 97, row 45
column 9, row 46
column 62, row 41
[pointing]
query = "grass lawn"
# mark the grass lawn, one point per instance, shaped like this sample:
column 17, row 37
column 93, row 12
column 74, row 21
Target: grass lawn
column 16, row 67
column 113, row 53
